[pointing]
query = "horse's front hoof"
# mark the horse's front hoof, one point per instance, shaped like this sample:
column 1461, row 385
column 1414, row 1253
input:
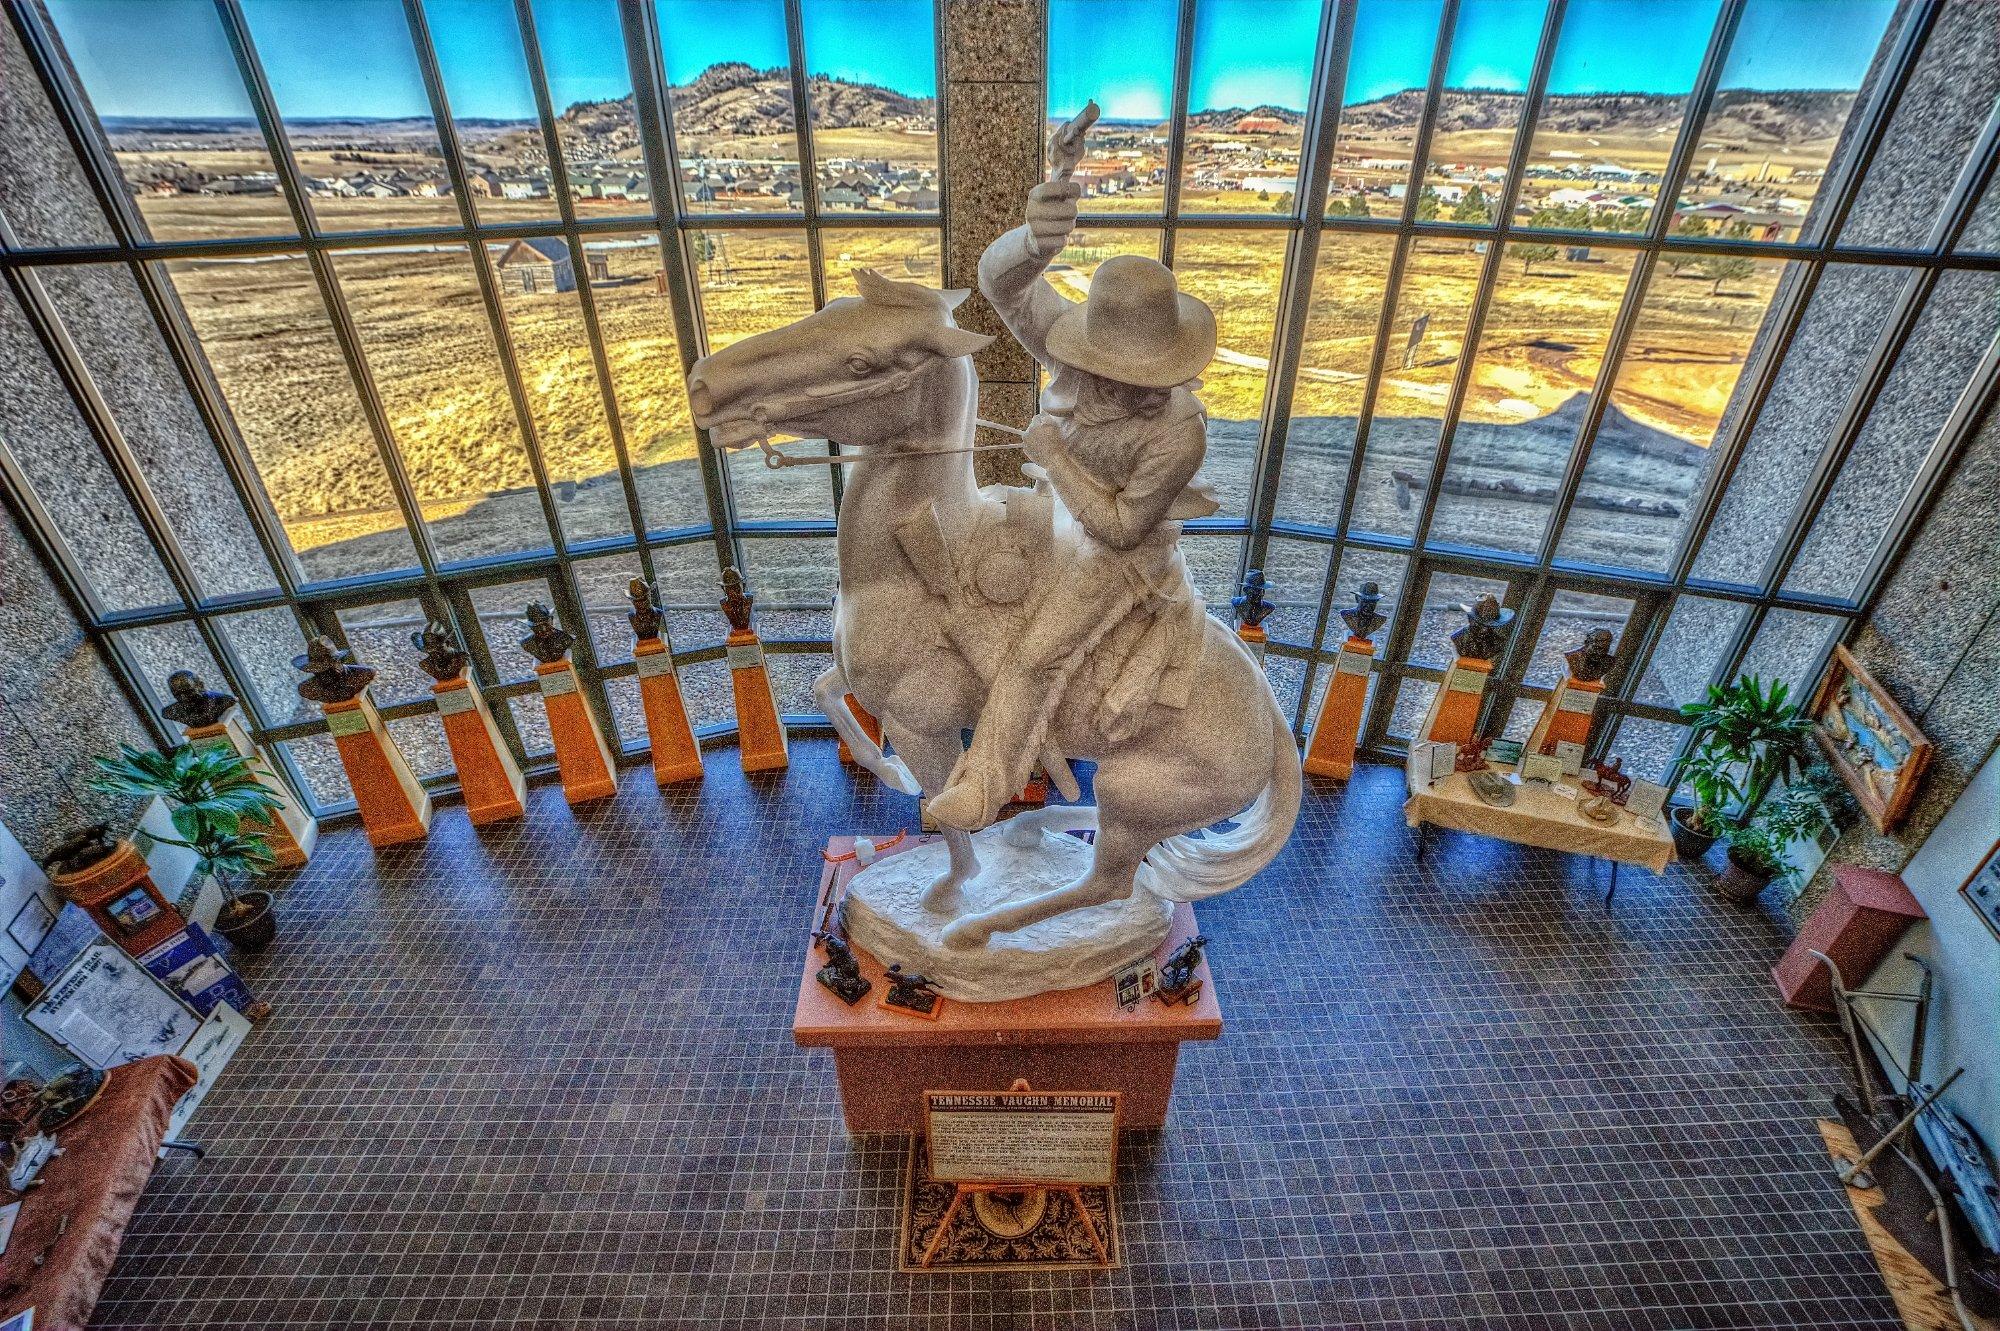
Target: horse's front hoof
column 967, row 933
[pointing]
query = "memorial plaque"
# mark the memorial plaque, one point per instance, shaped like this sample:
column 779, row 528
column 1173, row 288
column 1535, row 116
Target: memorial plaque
column 654, row 663
column 1582, row 701
column 1027, row 1137
column 558, row 682
column 453, row 701
column 1570, row 754
column 351, row 722
column 1540, row 767
column 745, row 655
column 1353, row 663
column 1646, row 799
column 1465, row 681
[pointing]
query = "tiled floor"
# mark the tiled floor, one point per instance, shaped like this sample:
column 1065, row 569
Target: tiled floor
column 543, row 1077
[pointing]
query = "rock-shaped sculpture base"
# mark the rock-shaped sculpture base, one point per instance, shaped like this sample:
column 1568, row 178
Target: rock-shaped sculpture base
column 887, row 917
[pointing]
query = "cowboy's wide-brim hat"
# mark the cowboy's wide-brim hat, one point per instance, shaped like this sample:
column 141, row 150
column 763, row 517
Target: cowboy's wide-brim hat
column 1136, row 327
column 321, row 654
column 1500, row 619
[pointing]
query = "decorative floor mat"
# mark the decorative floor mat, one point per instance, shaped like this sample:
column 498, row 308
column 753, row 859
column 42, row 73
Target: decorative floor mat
column 1036, row 1229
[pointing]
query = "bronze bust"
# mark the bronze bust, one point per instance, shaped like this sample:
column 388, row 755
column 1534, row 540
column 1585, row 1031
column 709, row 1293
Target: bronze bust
column 195, row 705
column 1364, row 619
column 333, row 675
column 1594, row 659
column 443, row 659
column 1485, row 631
column 1251, row 607
column 547, row 641
column 645, row 612
column 736, row 600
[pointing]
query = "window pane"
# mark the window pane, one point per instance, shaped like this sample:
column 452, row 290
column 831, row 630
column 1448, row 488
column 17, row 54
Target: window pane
column 1982, row 231
column 537, row 280
column 637, row 324
column 43, row 191
column 1388, row 71
column 908, row 254
column 1492, row 57
column 1646, row 749
column 1839, row 331
column 1651, row 456
column 106, row 315
column 1120, row 52
column 1425, row 342
column 1691, row 646
column 1341, row 320
column 1936, row 126
column 1539, row 353
column 347, row 85
column 1413, row 699
column 600, row 585
column 1294, row 573
column 873, row 95
column 793, row 579
column 319, row 761
column 707, row 690
column 590, row 87
column 1954, row 331
column 1213, row 562
column 158, row 650
column 531, row 723
column 1617, row 93
column 54, row 447
column 1791, row 645
column 1571, row 617
column 421, row 738
column 628, row 713
column 1238, row 273
column 502, row 611
column 478, row 46
column 272, row 350
column 731, row 98
column 189, row 147
column 430, row 349
column 1779, row 110
column 1247, row 96
column 265, row 641
column 380, row 637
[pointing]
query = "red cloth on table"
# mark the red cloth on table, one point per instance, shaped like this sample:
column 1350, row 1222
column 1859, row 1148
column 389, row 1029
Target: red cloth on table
column 108, row 1157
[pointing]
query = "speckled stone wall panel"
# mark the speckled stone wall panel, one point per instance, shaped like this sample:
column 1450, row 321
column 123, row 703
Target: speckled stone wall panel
column 43, row 192
column 59, row 704
column 993, row 154
column 994, row 41
column 1009, row 404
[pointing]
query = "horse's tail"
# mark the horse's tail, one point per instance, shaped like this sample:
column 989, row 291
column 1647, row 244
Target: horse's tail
column 1189, row 868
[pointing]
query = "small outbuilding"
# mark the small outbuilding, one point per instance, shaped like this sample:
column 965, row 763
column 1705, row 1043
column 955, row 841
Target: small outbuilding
column 543, row 263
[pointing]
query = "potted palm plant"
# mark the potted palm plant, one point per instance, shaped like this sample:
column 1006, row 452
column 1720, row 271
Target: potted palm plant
column 210, row 793
column 1696, row 827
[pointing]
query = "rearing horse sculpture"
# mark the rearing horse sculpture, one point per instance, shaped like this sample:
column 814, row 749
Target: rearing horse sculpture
column 926, row 607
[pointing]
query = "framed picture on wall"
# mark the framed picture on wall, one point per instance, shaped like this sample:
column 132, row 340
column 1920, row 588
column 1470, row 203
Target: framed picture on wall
column 1869, row 740
column 31, row 924
column 1982, row 890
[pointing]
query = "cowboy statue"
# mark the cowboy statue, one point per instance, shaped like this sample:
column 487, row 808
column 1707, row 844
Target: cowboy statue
column 1120, row 438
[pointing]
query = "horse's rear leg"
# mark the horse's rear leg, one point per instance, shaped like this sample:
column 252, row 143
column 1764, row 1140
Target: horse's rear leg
column 1116, row 859
column 931, row 759
column 830, row 692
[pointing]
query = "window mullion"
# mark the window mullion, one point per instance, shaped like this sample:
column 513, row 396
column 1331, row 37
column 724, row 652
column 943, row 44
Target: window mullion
column 1177, row 107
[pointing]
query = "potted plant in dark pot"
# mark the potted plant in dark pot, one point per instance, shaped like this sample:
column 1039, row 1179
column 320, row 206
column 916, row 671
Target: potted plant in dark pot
column 1698, row 826
column 1760, row 850
column 210, row 792
column 1749, row 738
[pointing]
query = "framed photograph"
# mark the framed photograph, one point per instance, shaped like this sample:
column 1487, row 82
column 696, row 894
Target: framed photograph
column 31, row 924
column 1982, row 890
column 1869, row 740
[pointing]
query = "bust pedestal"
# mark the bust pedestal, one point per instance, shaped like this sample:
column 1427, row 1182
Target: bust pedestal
column 1337, row 729
column 1566, row 716
column 488, row 776
column 676, row 756
column 292, row 834
column 394, row 805
column 1454, row 713
column 582, row 757
column 760, row 733
column 869, row 727
column 1254, row 639
column 119, row 894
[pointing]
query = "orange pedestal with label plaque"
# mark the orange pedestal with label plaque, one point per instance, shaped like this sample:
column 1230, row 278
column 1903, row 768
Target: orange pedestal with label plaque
column 119, row 893
column 869, row 727
column 676, row 756
column 1074, row 1039
column 394, row 806
column 760, row 733
column 1255, row 639
column 488, row 776
column 292, row 834
column 1337, row 729
column 1454, row 713
column 582, row 757
column 1566, row 716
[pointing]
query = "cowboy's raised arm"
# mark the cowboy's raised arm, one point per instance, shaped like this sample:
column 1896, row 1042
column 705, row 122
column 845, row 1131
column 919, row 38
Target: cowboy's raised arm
column 1010, row 272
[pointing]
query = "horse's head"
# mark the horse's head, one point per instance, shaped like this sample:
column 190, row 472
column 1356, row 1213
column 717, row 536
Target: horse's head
column 843, row 374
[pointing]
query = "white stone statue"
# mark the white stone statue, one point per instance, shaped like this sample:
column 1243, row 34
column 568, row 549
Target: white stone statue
column 1055, row 622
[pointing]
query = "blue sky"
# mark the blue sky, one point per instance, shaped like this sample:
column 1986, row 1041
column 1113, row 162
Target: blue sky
column 353, row 57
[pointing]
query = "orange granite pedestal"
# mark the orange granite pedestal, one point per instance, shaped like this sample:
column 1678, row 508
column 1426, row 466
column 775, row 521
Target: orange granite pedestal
column 676, row 755
column 394, row 805
column 582, row 757
column 119, row 893
column 293, row 833
column 1254, row 640
column 1073, row 1040
column 1454, row 712
column 1337, row 729
column 1566, row 716
column 488, row 777
column 760, row 731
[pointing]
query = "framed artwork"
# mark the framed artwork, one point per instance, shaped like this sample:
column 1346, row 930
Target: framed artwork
column 1982, row 890
column 31, row 923
column 1869, row 740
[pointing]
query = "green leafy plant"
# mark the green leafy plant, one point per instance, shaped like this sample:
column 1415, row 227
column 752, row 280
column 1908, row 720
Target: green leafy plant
column 1754, row 731
column 211, row 792
column 1803, row 810
column 1713, row 778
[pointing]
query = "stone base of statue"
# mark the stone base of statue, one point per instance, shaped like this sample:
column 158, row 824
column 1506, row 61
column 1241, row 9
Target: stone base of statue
column 1070, row 1039
column 886, row 915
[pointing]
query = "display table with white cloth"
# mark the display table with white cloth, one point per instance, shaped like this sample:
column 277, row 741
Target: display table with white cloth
column 1539, row 816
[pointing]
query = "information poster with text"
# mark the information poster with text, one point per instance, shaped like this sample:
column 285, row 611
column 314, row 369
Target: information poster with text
column 1035, row 1137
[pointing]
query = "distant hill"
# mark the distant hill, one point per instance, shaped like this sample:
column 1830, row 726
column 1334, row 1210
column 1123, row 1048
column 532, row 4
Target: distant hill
column 1741, row 116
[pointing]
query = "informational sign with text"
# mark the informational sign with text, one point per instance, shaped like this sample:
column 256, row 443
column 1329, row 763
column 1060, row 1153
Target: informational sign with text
column 1028, row 1137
